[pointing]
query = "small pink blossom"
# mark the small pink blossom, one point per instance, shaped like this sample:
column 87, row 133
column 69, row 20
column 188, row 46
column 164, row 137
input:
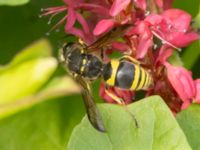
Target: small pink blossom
column 144, row 40
column 182, row 82
column 103, row 26
column 163, row 54
column 121, row 47
column 173, row 27
column 197, row 96
column 118, row 6
column 140, row 4
column 117, row 17
column 85, row 33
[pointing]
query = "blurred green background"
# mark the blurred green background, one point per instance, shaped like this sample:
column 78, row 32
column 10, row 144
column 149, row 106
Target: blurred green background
column 53, row 120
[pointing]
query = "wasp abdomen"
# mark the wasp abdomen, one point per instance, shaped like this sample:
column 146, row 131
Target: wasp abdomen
column 126, row 75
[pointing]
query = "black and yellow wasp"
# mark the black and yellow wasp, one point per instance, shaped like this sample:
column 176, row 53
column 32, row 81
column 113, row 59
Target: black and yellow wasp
column 124, row 73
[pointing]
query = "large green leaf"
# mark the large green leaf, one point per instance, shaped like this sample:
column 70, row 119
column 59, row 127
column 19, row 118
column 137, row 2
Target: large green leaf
column 189, row 121
column 57, row 87
column 26, row 73
column 158, row 129
column 192, row 54
column 45, row 126
column 13, row 2
column 27, row 80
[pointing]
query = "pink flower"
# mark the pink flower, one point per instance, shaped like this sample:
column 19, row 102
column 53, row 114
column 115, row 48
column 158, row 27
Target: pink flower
column 118, row 6
column 144, row 38
column 173, row 27
column 182, row 82
column 117, row 17
column 141, row 4
column 73, row 15
column 197, row 96
column 125, row 95
column 163, row 54
column 103, row 26
column 153, row 31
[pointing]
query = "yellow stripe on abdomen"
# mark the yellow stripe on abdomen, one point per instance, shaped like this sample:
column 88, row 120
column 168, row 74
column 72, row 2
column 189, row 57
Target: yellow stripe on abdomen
column 143, row 75
column 148, row 81
column 136, row 77
column 114, row 66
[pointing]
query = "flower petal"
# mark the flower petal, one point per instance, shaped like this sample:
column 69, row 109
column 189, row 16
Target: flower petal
column 159, row 3
column 181, row 39
column 197, row 97
column 182, row 82
column 118, row 6
column 77, row 32
column 98, row 9
column 141, row 4
column 178, row 18
column 144, row 45
column 83, row 22
column 167, row 4
column 71, row 18
column 103, row 26
column 122, row 47
column 164, row 54
column 185, row 105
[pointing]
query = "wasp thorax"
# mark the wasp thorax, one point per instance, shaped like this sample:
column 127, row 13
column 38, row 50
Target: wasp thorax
column 79, row 62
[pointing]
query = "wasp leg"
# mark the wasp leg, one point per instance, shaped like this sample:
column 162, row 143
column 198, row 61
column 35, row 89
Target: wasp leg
column 81, row 41
column 121, row 102
column 102, row 54
column 126, row 57
column 115, row 98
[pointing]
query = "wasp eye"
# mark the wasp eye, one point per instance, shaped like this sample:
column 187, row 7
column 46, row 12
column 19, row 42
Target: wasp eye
column 67, row 48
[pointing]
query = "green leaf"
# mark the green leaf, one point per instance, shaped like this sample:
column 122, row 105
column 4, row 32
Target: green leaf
column 27, row 80
column 39, row 49
column 57, row 87
column 46, row 126
column 191, row 55
column 13, row 2
column 27, row 72
column 197, row 19
column 189, row 120
column 158, row 129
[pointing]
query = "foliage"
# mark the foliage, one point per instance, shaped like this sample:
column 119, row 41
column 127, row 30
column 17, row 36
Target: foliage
column 153, row 131
column 13, row 2
column 41, row 114
column 189, row 121
column 28, row 80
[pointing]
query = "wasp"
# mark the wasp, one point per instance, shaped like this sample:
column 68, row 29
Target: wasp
column 85, row 67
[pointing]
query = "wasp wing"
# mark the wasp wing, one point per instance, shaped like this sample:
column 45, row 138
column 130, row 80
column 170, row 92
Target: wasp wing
column 106, row 40
column 92, row 111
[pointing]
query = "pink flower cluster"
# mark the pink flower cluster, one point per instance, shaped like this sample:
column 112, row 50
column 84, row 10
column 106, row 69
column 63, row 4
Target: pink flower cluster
column 155, row 31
